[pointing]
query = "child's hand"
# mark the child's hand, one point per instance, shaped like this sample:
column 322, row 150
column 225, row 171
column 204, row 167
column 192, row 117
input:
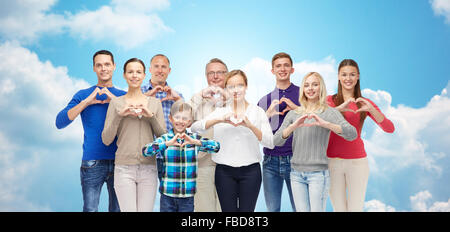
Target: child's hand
column 174, row 141
column 189, row 140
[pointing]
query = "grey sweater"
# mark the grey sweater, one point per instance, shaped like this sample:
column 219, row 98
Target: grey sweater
column 309, row 144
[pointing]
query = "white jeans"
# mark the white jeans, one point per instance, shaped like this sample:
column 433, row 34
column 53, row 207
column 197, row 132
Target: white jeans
column 348, row 185
column 206, row 199
column 136, row 187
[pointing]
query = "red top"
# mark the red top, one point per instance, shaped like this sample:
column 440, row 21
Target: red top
column 341, row 148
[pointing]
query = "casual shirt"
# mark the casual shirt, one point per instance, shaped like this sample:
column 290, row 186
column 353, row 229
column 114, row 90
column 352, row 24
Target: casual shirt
column 239, row 145
column 132, row 132
column 180, row 163
column 202, row 107
column 341, row 148
column 166, row 105
column 310, row 143
column 93, row 119
column 292, row 93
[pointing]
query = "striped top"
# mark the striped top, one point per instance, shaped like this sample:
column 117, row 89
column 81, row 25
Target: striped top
column 180, row 163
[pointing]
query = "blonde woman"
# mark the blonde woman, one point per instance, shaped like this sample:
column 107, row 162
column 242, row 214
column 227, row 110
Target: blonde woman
column 310, row 125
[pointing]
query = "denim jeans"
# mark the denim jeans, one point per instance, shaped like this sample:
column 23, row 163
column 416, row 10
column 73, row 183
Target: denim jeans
column 176, row 204
column 238, row 187
column 276, row 171
column 93, row 174
column 310, row 190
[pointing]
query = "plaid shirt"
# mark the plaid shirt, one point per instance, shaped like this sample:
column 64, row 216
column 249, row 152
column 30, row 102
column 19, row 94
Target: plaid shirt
column 166, row 105
column 180, row 163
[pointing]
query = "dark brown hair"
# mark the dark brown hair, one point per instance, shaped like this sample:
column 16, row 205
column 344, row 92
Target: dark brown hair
column 339, row 97
column 133, row 60
column 103, row 52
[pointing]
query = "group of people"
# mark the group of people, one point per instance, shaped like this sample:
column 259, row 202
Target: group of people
column 204, row 154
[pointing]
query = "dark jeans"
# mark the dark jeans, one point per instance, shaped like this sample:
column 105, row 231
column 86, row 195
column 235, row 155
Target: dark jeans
column 93, row 174
column 238, row 187
column 176, row 204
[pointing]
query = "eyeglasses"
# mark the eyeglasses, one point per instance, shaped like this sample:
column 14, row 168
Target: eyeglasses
column 218, row 73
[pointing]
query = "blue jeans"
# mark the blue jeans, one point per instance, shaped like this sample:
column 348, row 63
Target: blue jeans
column 310, row 190
column 176, row 204
column 93, row 174
column 276, row 171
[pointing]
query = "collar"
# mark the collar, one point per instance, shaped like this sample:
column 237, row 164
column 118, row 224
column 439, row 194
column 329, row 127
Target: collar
column 288, row 89
column 171, row 133
column 150, row 86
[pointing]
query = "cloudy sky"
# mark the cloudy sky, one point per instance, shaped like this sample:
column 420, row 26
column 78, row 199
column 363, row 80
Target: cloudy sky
column 402, row 48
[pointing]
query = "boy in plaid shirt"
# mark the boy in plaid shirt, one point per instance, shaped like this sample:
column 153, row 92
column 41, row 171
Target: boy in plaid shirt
column 178, row 151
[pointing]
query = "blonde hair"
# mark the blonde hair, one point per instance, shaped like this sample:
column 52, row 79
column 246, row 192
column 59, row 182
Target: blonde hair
column 180, row 106
column 322, row 103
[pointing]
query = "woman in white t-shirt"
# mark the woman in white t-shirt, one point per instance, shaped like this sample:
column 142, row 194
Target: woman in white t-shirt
column 240, row 128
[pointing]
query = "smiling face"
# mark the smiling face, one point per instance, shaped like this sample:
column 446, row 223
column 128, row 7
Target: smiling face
column 181, row 120
column 160, row 69
column 282, row 69
column 236, row 87
column 348, row 77
column 104, row 67
column 215, row 74
column 311, row 88
column 134, row 74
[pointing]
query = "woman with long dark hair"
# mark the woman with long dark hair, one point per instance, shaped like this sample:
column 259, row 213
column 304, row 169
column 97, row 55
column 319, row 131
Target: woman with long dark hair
column 349, row 168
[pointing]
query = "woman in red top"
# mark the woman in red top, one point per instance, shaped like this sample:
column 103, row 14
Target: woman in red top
column 348, row 165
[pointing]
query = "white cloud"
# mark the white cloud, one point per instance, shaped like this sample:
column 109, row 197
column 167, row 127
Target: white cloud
column 26, row 20
column 126, row 23
column 420, row 139
column 377, row 206
column 30, row 98
column 441, row 7
column 421, row 202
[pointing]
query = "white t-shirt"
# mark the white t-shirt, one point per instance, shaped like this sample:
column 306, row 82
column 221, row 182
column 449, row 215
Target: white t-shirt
column 239, row 146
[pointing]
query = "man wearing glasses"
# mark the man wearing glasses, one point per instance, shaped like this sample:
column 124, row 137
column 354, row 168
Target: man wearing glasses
column 203, row 103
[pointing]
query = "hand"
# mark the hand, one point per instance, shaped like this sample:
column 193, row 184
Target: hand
column 128, row 110
column 143, row 111
column 171, row 95
column 271, row 111
column 344, row 106
column 232, row 118
column 245, row 122
column 174, row 141
column 109, row 95
column 365, row 105
column 188, row 140
column 290, row 105
column 300, row 122
column 152, row 92
column 318, row 121
column 92, row 98
column 215, row 94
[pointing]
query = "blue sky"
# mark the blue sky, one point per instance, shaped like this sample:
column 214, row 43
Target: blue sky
column 402, row 48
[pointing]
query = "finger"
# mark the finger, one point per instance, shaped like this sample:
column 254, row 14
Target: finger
column 362, row 100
